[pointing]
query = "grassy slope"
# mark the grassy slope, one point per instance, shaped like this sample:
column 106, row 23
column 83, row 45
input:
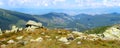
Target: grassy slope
column 9, row 18
column 54, row 43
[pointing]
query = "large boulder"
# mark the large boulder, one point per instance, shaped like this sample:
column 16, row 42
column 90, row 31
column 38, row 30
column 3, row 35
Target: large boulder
column 31, row 23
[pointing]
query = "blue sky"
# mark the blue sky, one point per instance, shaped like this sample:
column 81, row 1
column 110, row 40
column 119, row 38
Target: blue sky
column 68, row 6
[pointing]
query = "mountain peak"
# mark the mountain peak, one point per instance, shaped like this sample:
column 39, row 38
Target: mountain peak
column 57, row 14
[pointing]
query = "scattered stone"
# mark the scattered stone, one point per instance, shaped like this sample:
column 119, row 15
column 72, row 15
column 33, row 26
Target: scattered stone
column 14, row 28
column 20, row 29
column 20, row 37
column 43, row 33
column 0, row 31
column 63, row 39
column 70, row 37
column 78, row 42
column 11, row 41
column 30, row 29
column 78, row 38
column 67, row 43
column 37, row 40
column 3, row 46
column 56, row 37
column 7, row 31
column 22, row 42
column 59, row 32
column 77, row 33
column 47, row 36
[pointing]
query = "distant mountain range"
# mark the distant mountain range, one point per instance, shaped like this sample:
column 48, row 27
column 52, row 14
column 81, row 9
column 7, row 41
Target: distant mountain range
column 78, row 22
column 9, row 18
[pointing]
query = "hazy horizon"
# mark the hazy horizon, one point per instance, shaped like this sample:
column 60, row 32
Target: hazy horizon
column 71, row 7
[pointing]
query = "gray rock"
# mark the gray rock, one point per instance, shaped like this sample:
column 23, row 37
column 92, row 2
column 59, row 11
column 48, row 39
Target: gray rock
column 0, row 32
column 34, row 24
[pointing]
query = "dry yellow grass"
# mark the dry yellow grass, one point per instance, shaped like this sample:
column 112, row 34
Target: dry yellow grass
column 52, row 42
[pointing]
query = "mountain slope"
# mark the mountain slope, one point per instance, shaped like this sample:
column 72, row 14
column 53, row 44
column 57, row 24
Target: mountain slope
column 60, row 20
column 92, row 21
column 8, row 18
column 78, row 22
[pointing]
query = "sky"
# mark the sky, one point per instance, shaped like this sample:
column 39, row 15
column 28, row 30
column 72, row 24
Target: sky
column 68, row 6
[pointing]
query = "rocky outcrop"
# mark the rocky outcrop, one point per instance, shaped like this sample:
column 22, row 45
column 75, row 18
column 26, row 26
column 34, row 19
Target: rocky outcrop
column 112, row 33
column 31, row 25
column 34, row 24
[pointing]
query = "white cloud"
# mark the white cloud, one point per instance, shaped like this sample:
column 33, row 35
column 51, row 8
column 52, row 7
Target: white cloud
column 26, row 3
column 46, row 4
column 111, row 3
column 88, row 3
column 97, row 3
column 35, row 3
column 58, row 1
column 1, row 3
column 61, row 3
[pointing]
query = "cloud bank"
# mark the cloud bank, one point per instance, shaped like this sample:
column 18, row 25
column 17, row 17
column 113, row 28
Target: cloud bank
column 59, row 4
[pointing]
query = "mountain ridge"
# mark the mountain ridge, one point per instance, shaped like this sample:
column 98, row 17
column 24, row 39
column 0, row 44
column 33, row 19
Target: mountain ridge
column 78, row 22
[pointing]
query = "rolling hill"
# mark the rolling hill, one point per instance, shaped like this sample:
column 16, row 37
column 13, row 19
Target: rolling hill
column 51, row 20
column 8, row 18
column 92, row 21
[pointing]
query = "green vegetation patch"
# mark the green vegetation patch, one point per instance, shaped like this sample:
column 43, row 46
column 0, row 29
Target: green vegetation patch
column 97, row 30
